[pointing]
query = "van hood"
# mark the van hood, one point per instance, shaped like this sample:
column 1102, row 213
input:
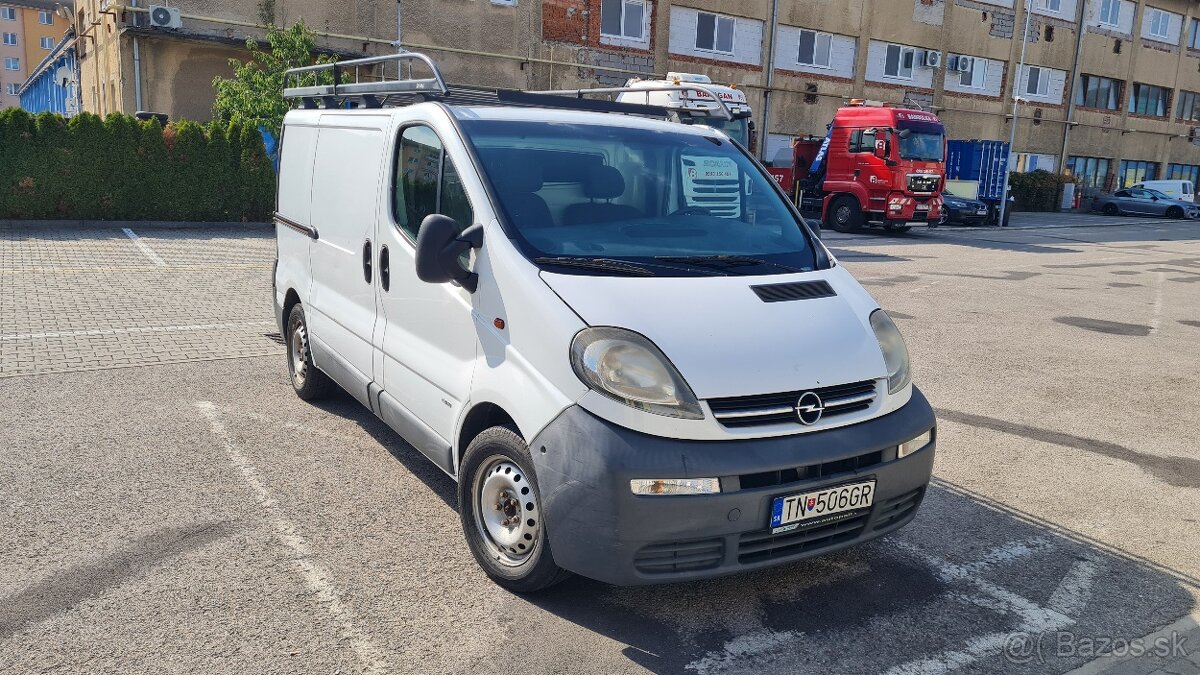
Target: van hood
column 726, row 341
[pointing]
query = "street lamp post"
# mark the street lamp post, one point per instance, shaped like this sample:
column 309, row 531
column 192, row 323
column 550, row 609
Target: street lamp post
column 1012, row 131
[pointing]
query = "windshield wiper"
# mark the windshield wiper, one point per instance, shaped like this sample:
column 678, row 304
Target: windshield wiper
column 602, row 264
column 724, row 261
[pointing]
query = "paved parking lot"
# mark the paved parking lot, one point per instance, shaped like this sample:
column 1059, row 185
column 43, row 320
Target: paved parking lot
column 168, row 505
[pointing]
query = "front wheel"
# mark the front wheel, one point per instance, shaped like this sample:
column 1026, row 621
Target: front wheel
column 845, row 215
column 501, row 513
column 1175, row 212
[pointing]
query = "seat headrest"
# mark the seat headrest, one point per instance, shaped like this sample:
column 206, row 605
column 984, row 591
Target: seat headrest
column 604, row 182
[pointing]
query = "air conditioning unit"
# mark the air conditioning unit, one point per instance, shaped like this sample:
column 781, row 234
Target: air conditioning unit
column 964, row 64
column 165, row 17
column 931, row 59
column 1194, row 135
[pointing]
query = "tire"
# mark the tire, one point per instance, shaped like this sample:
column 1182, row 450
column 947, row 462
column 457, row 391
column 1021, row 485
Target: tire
column 1111, row 210
column 845, row 215
column 309, row 382
column 496, row 485
column 902, row 228
column 1175, row 212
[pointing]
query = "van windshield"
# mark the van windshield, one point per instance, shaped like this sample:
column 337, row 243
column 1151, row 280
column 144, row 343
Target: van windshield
column 598, row 199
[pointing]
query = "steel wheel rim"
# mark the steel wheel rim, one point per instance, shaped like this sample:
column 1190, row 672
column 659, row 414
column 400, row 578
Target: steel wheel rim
column 299, row 355
column 507, row 515
column 842, row 215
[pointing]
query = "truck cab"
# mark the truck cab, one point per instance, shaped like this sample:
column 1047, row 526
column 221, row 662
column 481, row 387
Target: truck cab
column 880, row 166
column 697, row 100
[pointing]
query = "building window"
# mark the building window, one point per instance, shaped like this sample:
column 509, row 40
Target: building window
column 10, row 39
column 1189, row 172
column 1188, row 109
column 974, row 77
column 1194, row 34
column 46, row 18
column 1091, row 171
column 1025, row 162
column 1037, row 82
column 1149, row 100
column 12, row 88
column 815, row 48
column 1134, row 171
column 1110, row 12
column 1160, row 23
column 623, row 19
column 1098, row 92
column 12, row 63
column 47, row 43
column 8, row 13
column 898, row 62
column 714, row 33
column 1054, row 6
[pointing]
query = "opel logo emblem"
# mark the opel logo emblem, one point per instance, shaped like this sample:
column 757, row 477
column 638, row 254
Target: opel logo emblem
column 809, row 408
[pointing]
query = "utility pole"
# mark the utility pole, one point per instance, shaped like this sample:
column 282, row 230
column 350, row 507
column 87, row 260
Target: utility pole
column 1012, row 131
column 399, row 27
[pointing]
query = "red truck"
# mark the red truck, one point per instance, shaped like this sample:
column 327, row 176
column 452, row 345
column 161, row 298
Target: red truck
column 877, row 166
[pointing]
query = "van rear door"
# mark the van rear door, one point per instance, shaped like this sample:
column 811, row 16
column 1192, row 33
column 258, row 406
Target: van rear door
column 346, row 187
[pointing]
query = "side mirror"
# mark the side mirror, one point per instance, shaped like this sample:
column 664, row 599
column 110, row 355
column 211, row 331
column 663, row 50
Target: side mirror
column 439, row 245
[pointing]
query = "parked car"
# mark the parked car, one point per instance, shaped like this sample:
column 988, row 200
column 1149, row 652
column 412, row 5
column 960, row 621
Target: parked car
column 962, row 211
column 636, row 375
column 1182, row 190
column 1145, row 202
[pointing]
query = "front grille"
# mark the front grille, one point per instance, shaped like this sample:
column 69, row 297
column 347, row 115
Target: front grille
column 922, row 182
column 762, row 545
column 898, row 508
column 763, row 409
column 679, row 556
column 749, row 481
column 801, row 290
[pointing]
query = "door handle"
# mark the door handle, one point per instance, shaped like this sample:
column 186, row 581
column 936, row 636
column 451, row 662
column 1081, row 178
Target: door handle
column 385, row 268
column 367, row 260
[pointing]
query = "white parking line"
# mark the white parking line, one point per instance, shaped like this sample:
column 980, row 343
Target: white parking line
column 146, row 250
column 315, row 577
column 135, row 329
column 1156, row 314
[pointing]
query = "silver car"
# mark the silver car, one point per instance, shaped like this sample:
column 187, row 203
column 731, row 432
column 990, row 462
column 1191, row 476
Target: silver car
column 1145, row 202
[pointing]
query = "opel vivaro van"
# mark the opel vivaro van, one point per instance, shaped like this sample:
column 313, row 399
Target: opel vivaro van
column 612, row 330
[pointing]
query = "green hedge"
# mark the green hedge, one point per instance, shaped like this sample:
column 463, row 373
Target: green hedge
column 1037, row 190
column 118, row 168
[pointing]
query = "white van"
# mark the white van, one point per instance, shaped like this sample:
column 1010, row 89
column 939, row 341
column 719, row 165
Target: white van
column 1183, row 190
column 613, row 331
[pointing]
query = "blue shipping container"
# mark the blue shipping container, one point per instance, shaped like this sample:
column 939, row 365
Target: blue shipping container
column 982, row 161
column 54, row 84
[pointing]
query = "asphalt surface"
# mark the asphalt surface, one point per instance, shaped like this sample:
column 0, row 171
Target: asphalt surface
column 168, row 505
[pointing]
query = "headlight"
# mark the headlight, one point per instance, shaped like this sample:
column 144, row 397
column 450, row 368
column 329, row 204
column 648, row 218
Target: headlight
column 895, row 354
column 625, row 366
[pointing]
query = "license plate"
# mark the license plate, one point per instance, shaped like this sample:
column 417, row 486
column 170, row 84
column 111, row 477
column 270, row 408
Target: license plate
column 824, row 505
column 981, row 212
column 922, row 207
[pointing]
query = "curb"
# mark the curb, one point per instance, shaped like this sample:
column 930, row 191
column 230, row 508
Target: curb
column 131, row 224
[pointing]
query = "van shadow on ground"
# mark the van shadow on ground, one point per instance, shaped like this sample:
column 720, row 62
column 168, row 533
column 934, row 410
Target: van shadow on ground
column 967, row 577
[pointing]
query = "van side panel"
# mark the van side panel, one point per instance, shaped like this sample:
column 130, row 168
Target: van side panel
column 342, row 308
column 294, row 201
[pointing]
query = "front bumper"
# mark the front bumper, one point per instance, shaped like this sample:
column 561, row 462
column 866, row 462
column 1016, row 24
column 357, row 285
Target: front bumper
column 598, row 528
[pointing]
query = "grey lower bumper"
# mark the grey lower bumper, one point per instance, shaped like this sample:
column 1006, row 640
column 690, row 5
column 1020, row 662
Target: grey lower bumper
column 599, row 529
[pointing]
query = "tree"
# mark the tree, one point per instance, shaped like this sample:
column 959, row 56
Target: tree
column 254, row 95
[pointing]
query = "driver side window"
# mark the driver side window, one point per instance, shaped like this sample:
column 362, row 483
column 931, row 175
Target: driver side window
column 426, row 182
column 862, row 141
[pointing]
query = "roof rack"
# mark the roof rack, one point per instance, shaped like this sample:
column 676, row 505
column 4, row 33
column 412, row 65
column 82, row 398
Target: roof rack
column 365, row 83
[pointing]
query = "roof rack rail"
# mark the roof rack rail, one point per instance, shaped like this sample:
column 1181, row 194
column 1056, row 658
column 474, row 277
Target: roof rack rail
column 723, row 108
column 365, row 83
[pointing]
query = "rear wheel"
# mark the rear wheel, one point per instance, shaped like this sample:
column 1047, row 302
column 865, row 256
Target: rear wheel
column 1175, row 212
column 308, row 381
column 501, row 513
column 1111, row 210
column 845, row 215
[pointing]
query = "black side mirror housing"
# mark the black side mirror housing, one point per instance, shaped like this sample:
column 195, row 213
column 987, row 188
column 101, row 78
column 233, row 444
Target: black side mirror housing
column 439, row 245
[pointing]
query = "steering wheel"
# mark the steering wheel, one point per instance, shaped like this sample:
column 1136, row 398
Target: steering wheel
column 690, row 211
